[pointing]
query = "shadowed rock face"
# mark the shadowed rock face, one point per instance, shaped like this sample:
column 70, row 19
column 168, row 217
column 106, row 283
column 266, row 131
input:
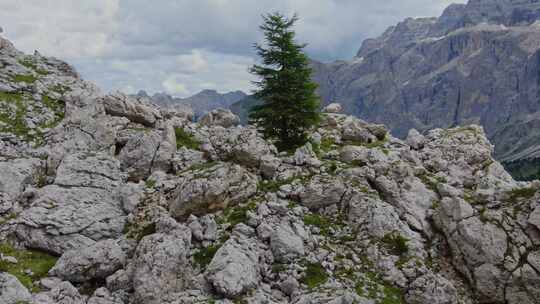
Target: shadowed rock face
column 477, row 63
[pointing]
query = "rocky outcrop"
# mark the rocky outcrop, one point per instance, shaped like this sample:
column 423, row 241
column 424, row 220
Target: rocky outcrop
column 219, row 117
column 213, row 188
column 147, row 208
column 131, row 108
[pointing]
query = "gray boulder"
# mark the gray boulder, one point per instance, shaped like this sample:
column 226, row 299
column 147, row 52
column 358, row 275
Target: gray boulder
column 211, row 189
column 235, row 268
column 322, row 191
column 63, row 293
column 16, row 176
column 12, row 291
column 161, row 265
column 146, row 152
column 285, row 244
column 79, row 209
column 333, row 108
column 135, row 110
column 95, row 262
column 219, row 117
column 432, row 288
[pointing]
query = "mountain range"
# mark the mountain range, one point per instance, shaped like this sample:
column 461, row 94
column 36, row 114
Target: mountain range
column 478, row 63
column 201, row 102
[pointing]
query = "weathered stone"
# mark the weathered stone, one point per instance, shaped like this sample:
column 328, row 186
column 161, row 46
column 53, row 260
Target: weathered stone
column 286, row 245
column 322, row 192
column 432, row 288
column 12, row 291
column 64, row 293
column 333, row 108
column 212, row 189
column 161, row 265
column 62, row 219
column 95, row 262
column 118, row 104
column 220, row 117
column 235, row 268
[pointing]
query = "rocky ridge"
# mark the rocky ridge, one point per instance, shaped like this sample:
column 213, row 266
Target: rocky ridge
column 201, row 103
column 105, row 199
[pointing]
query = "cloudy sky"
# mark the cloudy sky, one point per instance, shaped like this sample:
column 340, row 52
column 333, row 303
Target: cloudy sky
column 184, row 46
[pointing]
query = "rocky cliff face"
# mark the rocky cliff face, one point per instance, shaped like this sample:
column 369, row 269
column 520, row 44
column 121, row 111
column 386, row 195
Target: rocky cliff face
column 477, row 63
column 107, row 199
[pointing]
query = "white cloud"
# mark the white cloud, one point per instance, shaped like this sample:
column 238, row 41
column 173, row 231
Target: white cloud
column 172, row 86
column 62, row 28
column 192, row 63
column 184, row 46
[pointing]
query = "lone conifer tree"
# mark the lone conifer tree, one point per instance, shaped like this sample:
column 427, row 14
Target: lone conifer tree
column 289, row 105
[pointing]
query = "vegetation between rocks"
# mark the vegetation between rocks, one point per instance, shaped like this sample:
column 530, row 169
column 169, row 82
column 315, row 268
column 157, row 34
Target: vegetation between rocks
column 314, row 275
column 31, row 266
column 184, row 139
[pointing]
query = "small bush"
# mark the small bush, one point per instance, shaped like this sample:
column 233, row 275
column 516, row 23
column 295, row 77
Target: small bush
column 184, row 139
column 150, row 183
column 238, row 214
column 204, row 256
column 315, row 275
column 521, row 194
column 395, row 243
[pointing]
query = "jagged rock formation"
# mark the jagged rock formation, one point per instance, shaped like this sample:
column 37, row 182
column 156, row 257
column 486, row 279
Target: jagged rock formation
column 475, row 64
column 118, row 202
column 201, row 103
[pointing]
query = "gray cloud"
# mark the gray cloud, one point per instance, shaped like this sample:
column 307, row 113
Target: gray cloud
column 183, row 46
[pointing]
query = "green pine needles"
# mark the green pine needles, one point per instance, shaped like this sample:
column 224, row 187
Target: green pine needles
column 289, row 106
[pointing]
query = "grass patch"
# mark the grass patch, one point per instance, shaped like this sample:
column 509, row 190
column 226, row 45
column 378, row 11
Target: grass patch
column 24, row 78
column 432, row 182
column 371, row 145
column 279, row 268
column 326, row 145
column 395, row 243
column 392, row 295
column 27, row 62
column 150, row 183
column 204, row 256
column 515, row 195
column 314, row 276
column 373, row 287
column 61, row 89
column 39, row 263
column 136, row 232
column 7, row 218
column 57, row 107
column 273, row 185
column 13, row 114
column 323, row 223
column 238, row 214
column 184, row 139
